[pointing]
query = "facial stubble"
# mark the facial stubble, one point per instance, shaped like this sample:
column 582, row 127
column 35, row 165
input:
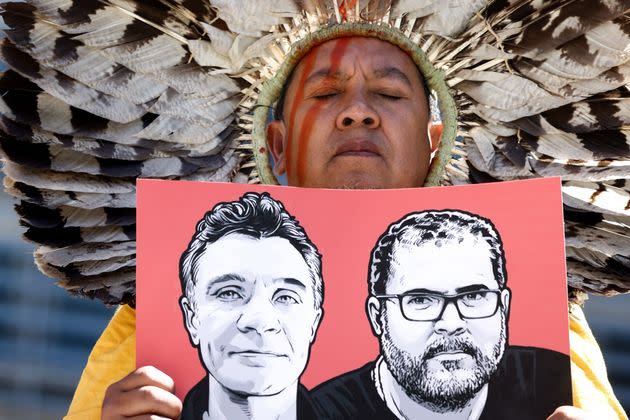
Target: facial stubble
column 454, row 387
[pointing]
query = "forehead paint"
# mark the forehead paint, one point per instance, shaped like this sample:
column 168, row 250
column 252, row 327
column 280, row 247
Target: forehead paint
column 311, row 114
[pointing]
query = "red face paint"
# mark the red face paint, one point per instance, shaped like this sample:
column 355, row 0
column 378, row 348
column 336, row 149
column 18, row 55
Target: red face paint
column 307, row 129
column 299, row 97
column 309, row 119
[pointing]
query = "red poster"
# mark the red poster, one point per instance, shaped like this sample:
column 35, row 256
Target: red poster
column 422, row 288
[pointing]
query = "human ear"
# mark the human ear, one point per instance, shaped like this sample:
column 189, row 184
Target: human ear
column 506, row 298
column 373, row 309
column 316, row 322
column 190, row 320
column 276, row 142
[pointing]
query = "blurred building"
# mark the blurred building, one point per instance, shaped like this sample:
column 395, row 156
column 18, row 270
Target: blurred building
column 45, row 335
column 609, row 318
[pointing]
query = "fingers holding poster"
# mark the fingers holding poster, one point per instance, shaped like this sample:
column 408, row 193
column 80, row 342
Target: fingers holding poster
column 444, row 334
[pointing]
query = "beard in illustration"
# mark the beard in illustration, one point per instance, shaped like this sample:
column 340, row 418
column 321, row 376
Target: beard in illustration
column 444, row 385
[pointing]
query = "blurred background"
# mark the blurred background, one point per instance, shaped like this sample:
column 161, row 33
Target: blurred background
column 46, row 335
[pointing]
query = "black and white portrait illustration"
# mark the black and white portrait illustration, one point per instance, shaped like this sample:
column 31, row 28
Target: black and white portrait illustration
column 251, row 300
column 439, row 304
column 431, row 311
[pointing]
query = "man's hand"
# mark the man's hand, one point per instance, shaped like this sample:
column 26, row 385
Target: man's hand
column 570, row 413
column 146, row 393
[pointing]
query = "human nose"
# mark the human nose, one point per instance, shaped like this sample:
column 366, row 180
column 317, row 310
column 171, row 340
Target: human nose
column 258, row 315
column 357, row 113
column 451, row 322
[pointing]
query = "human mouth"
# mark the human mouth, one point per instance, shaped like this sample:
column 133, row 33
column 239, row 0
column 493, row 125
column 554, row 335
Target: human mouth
column 450, row 355
column 450, row 350
column 255, row 358
column 256, row 354
column 357, row 148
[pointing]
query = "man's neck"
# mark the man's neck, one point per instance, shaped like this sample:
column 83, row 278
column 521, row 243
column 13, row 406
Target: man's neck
column 224, row 404
column 404, row 407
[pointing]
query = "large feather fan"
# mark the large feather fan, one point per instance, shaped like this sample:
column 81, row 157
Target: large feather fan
column 100, row 92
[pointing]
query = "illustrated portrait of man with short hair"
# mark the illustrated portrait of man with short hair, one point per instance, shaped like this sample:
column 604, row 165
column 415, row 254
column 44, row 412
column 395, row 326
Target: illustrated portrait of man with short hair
column 252, row 295
column 439, row 305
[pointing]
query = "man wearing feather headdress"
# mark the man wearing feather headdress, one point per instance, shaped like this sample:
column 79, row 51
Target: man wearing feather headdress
column 348, row 119
column 103, row 91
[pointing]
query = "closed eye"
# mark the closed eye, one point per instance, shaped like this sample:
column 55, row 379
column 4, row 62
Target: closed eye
column 390, row 96
column 324, row 96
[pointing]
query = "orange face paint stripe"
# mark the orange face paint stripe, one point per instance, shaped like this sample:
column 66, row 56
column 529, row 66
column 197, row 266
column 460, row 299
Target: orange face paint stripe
column 299, row 97
column 307, row 129
column 335, row 58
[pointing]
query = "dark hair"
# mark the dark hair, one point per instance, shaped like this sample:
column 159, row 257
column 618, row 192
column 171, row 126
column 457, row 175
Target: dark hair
column 255, row 215
column 433, row 226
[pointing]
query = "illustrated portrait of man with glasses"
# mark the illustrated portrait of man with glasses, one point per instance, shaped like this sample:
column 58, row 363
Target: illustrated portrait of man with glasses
column 439, row 304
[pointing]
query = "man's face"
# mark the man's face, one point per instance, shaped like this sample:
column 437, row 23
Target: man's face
column 255, row 315
column 441, row 363
column 355, row 116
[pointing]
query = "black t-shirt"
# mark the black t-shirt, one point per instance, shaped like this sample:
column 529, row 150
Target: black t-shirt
column 530, row 383
column 196, row 402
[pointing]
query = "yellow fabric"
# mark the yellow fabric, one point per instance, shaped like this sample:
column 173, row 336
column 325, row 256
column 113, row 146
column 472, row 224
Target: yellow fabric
column 114, row 356
column 591, row 389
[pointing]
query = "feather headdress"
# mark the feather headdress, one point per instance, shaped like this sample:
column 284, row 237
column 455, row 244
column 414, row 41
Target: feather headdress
column 100, row 92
